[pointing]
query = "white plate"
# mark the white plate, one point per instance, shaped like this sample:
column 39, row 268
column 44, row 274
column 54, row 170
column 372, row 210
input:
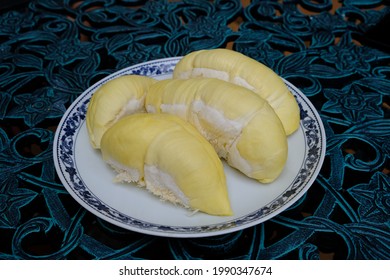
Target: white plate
column 89, row 180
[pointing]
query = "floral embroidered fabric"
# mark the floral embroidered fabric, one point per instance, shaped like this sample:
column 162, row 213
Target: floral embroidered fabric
column 52, row 51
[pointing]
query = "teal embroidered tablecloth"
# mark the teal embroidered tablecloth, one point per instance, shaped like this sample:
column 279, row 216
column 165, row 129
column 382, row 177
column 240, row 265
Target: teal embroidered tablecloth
column 335, row 52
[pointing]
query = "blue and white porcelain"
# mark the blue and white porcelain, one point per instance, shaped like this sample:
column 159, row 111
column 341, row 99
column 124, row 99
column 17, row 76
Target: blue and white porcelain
column 90, row 181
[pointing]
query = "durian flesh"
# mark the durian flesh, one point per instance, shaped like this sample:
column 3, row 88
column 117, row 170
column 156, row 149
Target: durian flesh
column 170, row 158
column 241, row 126
column 116, row 98
column 234, row 67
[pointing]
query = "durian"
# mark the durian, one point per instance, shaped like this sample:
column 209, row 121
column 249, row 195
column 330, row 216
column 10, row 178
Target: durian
column 170, row 158
column 116, row 98
column 241, row 126
column 234, row 67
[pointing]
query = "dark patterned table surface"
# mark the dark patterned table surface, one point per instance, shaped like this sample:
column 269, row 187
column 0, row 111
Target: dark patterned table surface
column 336, row 52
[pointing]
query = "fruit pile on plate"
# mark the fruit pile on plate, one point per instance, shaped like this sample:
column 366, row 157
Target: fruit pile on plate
column 170, row 136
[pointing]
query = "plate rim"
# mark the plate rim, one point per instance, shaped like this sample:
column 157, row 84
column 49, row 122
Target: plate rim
column 184, row 231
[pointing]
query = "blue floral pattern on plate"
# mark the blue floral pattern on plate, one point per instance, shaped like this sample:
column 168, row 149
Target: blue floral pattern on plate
column 66, row 165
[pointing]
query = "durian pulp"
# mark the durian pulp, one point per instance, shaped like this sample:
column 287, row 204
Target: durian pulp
column 172, row 160
column 239, row 69
column 224, row 114
column 116, row 98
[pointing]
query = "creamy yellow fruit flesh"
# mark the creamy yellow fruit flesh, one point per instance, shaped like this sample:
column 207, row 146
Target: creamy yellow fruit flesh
column 116, row 98
column 170, row 158
column 234, row 67
column 241, row 126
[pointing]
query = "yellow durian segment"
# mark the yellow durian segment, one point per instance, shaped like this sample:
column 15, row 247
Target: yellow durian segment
column 114, row 99
column 242, row 70
column 242, row 127
column 263, row 147
column 170, row 158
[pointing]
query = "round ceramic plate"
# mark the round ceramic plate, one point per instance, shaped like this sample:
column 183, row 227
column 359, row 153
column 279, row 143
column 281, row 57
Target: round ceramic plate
column 90, row 181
